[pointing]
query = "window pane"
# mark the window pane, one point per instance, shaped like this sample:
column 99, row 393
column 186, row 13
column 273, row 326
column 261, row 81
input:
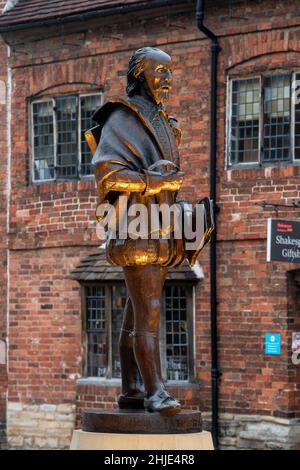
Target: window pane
column 176, row 333
column 297, row 117
column 118, row 300
column 97, row 355
column 244, row 135
column 43, row 140
column 89, row 105
column 67, row 137
column 277, row 118
column 96, row 332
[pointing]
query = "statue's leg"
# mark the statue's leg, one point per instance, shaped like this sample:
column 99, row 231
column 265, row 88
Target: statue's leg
column 132, row 386
column 145, row 285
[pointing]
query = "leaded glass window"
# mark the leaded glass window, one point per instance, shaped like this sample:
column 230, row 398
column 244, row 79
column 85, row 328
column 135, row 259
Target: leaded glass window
column 67, row 137
column 43, row 143
column 58, row 144
column 264, row 122
column 176, row 320
column 244, row 142
column 297, row 116
column 88, row 104
column 118, row 300
column 277, row 118
column 96, row 329
column 104, row 315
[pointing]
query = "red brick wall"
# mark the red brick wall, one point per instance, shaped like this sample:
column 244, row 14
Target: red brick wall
column 250, row 307
column 58, row 217
column 45, row 326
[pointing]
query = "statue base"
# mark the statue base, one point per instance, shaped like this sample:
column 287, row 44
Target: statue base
column 140, row 430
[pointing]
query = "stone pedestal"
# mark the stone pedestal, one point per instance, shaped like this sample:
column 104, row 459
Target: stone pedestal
column 140, row 430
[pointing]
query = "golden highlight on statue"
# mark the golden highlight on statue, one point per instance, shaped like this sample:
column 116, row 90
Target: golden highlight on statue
column 135, row 155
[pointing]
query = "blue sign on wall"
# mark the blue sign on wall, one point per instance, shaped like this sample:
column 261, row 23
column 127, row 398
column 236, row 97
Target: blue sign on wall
column 272, row 344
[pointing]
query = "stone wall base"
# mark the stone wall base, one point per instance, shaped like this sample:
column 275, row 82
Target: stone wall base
column 44, row 426
column 256, row 432
column 50, row 426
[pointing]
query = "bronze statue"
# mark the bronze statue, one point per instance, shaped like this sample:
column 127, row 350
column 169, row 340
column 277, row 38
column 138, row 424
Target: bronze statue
column 136, row 139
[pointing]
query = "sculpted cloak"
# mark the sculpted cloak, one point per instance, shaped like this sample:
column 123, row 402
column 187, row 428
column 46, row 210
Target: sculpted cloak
column 135, row 135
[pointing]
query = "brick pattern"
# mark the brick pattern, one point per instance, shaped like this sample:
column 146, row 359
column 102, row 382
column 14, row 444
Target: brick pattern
column 52, row 225
column 45, row 326
column 263, row 309
column 53, row 215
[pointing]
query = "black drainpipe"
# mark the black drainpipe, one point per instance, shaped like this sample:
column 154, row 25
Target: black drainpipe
column 215, row 49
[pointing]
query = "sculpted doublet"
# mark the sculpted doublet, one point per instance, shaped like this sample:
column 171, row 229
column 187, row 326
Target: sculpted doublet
column 138, row 134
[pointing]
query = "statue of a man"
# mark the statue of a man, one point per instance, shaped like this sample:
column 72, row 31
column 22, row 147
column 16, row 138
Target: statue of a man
column 136, row 135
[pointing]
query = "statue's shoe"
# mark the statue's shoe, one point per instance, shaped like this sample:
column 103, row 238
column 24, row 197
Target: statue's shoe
column 128, row 401
column 163, row 403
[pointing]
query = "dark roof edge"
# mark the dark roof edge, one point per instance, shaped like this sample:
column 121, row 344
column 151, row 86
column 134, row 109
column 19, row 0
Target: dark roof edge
column 102, row 12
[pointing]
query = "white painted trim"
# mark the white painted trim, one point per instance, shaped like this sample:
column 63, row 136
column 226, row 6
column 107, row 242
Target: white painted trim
column 95, row 93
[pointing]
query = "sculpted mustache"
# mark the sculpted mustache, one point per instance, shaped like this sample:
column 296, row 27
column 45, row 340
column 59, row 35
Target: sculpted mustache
column 165, row 88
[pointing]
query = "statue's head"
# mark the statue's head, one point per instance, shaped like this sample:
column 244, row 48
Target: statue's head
column 150, row 70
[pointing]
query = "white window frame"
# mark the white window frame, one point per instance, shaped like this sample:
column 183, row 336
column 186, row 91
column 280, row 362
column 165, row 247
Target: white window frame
column 31, row 137
column 31, row 130
column 191, row 324
column 191, row 329
column 296, row 161
column 228, row 164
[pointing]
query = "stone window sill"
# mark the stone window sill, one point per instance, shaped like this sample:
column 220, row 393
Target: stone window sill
column 117, row 382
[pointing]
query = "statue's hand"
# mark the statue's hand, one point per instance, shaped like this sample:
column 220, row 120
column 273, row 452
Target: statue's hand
column 157, row 182
column 172, row 181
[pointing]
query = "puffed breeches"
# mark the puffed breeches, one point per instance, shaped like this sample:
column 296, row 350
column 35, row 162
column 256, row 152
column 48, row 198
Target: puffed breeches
column 164, row 252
